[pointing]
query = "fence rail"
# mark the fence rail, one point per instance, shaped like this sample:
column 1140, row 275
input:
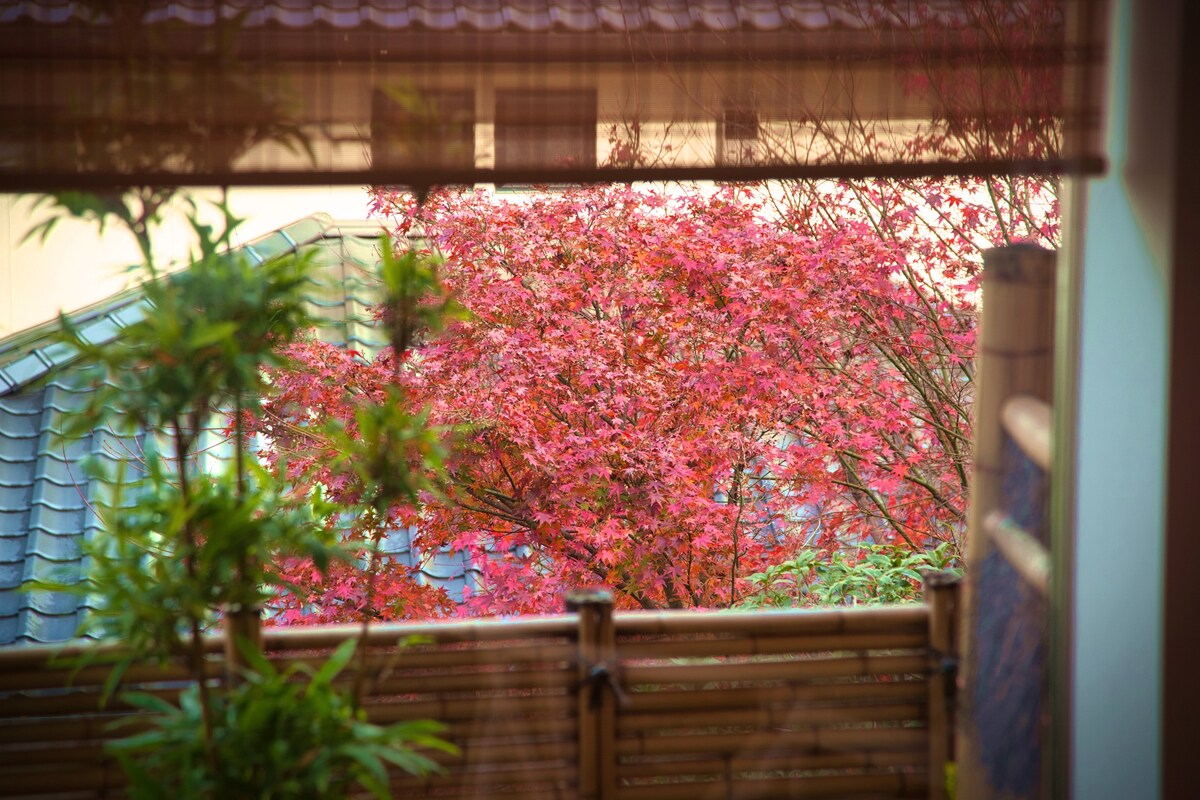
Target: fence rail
column 846, row 702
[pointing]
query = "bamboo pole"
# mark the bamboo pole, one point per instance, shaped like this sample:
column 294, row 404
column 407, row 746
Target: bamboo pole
column 73, row 702
column 667, row 648
column 607, row 723
column 390, row 634
column 475, row 754
column 75, row 729
column 512, row 729
column 1027, row 420
column 242, row 626
column 64, row 755
column 505, row 653
column 941, row 595
column 799, row 669
column 898, row 784
column 770, row 762
column 94, row 779
column 596, row 705
column 1014, row 357
column 393, row 708
column 807, row 695
column 771, row 717
column 813, row 740
column 1029, row 557
column 822, row 621
column 481, row 776
column 94, row 677
column 401, row 660
column 387, row 635
column 523, row 791
column 450, row 709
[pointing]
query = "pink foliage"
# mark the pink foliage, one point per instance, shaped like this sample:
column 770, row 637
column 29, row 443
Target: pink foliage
column 663, row 394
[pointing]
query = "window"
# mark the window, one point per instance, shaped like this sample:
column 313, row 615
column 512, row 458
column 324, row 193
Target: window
column 738, row 137
column 548, row 128
column 423, row 128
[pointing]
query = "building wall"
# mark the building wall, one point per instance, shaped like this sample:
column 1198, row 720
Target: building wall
column 1121, row 424
column 77, row 266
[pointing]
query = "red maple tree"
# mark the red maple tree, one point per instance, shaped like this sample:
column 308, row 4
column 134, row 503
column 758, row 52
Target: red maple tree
column 663, row 393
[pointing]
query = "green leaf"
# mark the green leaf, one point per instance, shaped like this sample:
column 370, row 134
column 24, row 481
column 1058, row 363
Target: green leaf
column 148, row 702
column 336, row 663
column 376, row 779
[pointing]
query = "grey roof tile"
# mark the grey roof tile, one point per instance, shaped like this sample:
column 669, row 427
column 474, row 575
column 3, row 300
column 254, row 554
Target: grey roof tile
column 12, row 550
column 36, row 627
column 100, row 331
column 56, row 603
column 15, row 496
column 48, row 499
column 576, row 16
column 52, row 529
column 52, row 495
column 25, row 370
column 14, row 427
column 21, row 435
column 308, row 229
column 60, row 462
column 28, row 404
column 10, row 604
column 58, row 354
column 398, row 546
column 128, row 315
column 11, row 576
column 14, row 522
column 274, row 245
column 15, row 471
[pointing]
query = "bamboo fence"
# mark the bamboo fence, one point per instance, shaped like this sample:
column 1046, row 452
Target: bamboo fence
column 1005, row 619
column 590, row 704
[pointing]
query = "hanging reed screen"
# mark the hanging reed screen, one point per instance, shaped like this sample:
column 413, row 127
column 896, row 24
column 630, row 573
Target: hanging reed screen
column 267, row 91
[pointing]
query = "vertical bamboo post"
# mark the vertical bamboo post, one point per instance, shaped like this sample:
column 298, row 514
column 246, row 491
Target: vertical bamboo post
column 941, row 596
column 595, row 670
column 1014, row 355
column 240, row 623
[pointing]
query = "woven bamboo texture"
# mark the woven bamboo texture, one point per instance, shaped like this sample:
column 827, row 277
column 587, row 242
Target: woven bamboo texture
column 826, row 704
column 822, row 704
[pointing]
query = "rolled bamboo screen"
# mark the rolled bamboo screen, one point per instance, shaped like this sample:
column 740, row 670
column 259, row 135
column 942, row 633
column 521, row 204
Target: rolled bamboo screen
column 1005, row 619
column 234, row 92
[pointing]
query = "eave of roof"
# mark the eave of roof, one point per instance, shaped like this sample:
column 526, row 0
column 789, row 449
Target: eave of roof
column 29, row 355
column 578, row 16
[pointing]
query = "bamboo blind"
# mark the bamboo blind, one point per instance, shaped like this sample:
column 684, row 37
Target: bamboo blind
column 284, row 92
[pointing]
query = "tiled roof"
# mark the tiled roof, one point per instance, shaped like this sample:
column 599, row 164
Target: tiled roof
column 48, row 500
column 496, row 15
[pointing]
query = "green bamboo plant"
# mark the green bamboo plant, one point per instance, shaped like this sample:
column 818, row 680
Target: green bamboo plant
column 185, row 547
column 873, row 574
